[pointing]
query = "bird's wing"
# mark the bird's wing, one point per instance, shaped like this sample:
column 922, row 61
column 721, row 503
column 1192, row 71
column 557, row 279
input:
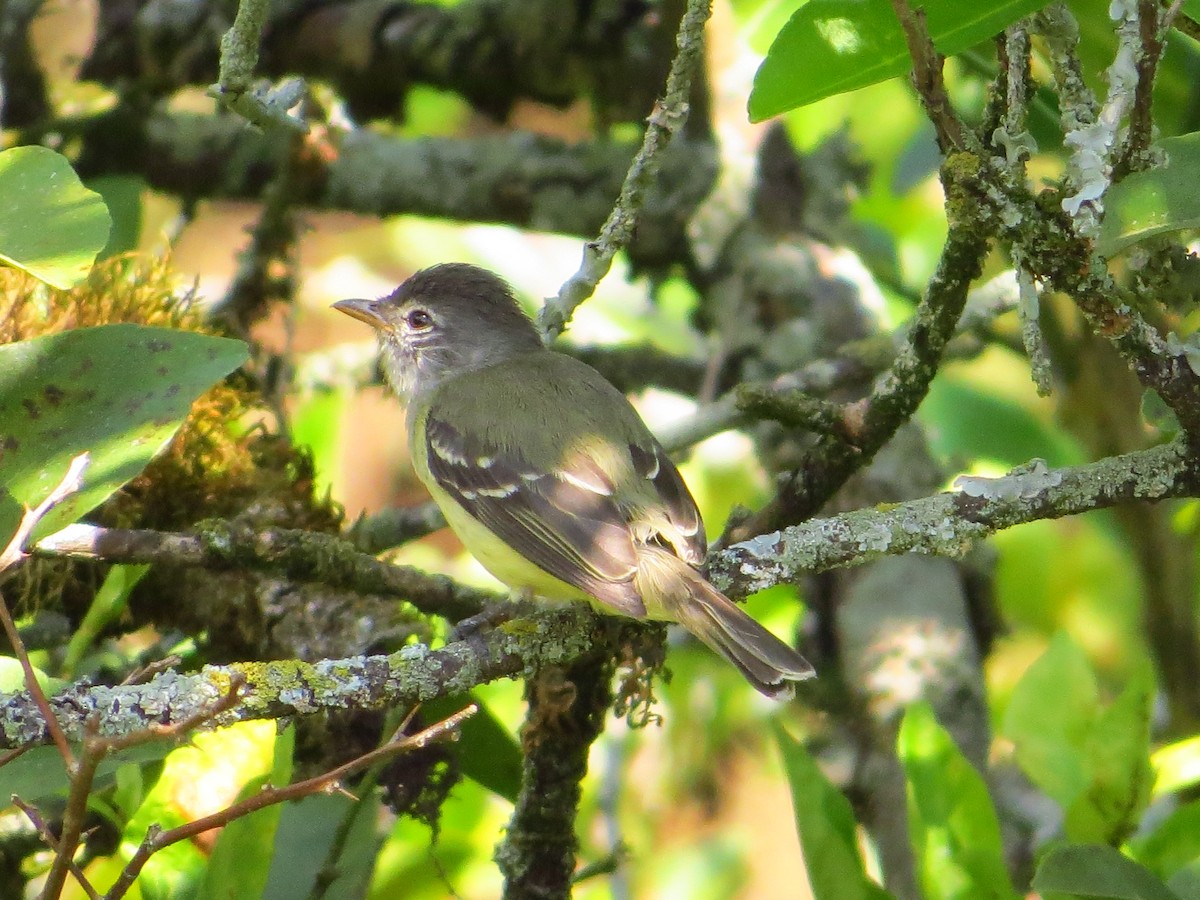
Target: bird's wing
column 566, row 521
column 683, row 528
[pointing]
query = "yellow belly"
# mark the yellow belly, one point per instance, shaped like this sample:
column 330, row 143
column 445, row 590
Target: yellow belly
column 498, row 558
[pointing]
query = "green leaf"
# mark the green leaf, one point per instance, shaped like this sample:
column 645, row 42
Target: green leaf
column 12, row 677
column 1156, row 201
column 1098, row 871
column 50, row 224
column 1118, row 760
column 486, row 751
column 241, row 858
column 106, row 606
column 1174, row 844
column 952, row 823
column 38, row 774
column 832, row 46
column 116, row 391
column 1049, row 720
column 123, row 196
column 972, row 422
column 827, row 830
column 310, row 829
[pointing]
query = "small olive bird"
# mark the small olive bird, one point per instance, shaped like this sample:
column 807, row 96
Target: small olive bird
column 546, row 472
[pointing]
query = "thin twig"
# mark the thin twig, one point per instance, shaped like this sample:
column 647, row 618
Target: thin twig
column 13, row 554
column 239, row 55
column 299, row 555
column 156, row 839
column 70, row 483
column 31, row 813
column 927, row 76
column 668, row 117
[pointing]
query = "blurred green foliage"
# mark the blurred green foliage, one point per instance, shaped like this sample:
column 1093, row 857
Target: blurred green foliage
column 1070, row 692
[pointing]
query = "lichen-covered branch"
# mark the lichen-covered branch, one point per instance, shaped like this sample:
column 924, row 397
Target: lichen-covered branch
column 566, row 714
column 669, row 116
column 235, row 86
column 291, row 688
column 372, row 52
column 299, row 555
column 511, row 178
column 900, row 391
column 949, row 524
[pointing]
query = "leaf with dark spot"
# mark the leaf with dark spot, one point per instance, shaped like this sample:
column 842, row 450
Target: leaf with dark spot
column 85, row 390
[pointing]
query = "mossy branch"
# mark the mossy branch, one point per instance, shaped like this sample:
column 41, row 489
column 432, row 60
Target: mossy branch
column 272, row 690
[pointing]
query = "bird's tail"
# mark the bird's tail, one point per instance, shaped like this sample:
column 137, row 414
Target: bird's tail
column 674, row 591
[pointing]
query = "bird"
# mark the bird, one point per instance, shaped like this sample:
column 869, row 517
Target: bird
column 547, row 473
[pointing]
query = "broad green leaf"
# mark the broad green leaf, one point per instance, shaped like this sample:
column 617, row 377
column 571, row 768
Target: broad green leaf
column 50, row 224
column 486, row 751
column 123, row 196
column 973, row 423
column 1156, row 201
column 116, row 391
column 241, row 859
column 1049, row 720
column 1173, row 844
column 1098, row 871
column 309, row 832
column 38, row 774
column 832, row 46
column 1118, row 761
column 952, row 823
column 825, row 824
column 106, row 606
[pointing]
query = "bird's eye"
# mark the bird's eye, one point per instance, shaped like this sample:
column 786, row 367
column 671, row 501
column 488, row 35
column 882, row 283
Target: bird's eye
column 419, row 320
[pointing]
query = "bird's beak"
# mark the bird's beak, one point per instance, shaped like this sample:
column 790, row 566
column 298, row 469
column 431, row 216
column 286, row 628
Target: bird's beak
column 363, row 310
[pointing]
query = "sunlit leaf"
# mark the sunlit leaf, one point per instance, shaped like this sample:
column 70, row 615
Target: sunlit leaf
column 198, row 779
column 1176, row 766
column 241, row 859
column 118, row 392
column 952, row 823
column 1163, row 199
column 832, row 46
column 1049, row 720
column 825, row 824
column 50, row 224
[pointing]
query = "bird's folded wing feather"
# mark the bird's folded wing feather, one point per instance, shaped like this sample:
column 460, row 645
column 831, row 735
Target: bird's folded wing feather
column 565, row 521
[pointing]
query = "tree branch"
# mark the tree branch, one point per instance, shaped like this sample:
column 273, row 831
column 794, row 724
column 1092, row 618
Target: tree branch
column 373, row 52
column 512, row 178
column 566, row 714
column 299, row 555
column 271, row 690
column 948, row 524
column 669, row 116
column 901, row 390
